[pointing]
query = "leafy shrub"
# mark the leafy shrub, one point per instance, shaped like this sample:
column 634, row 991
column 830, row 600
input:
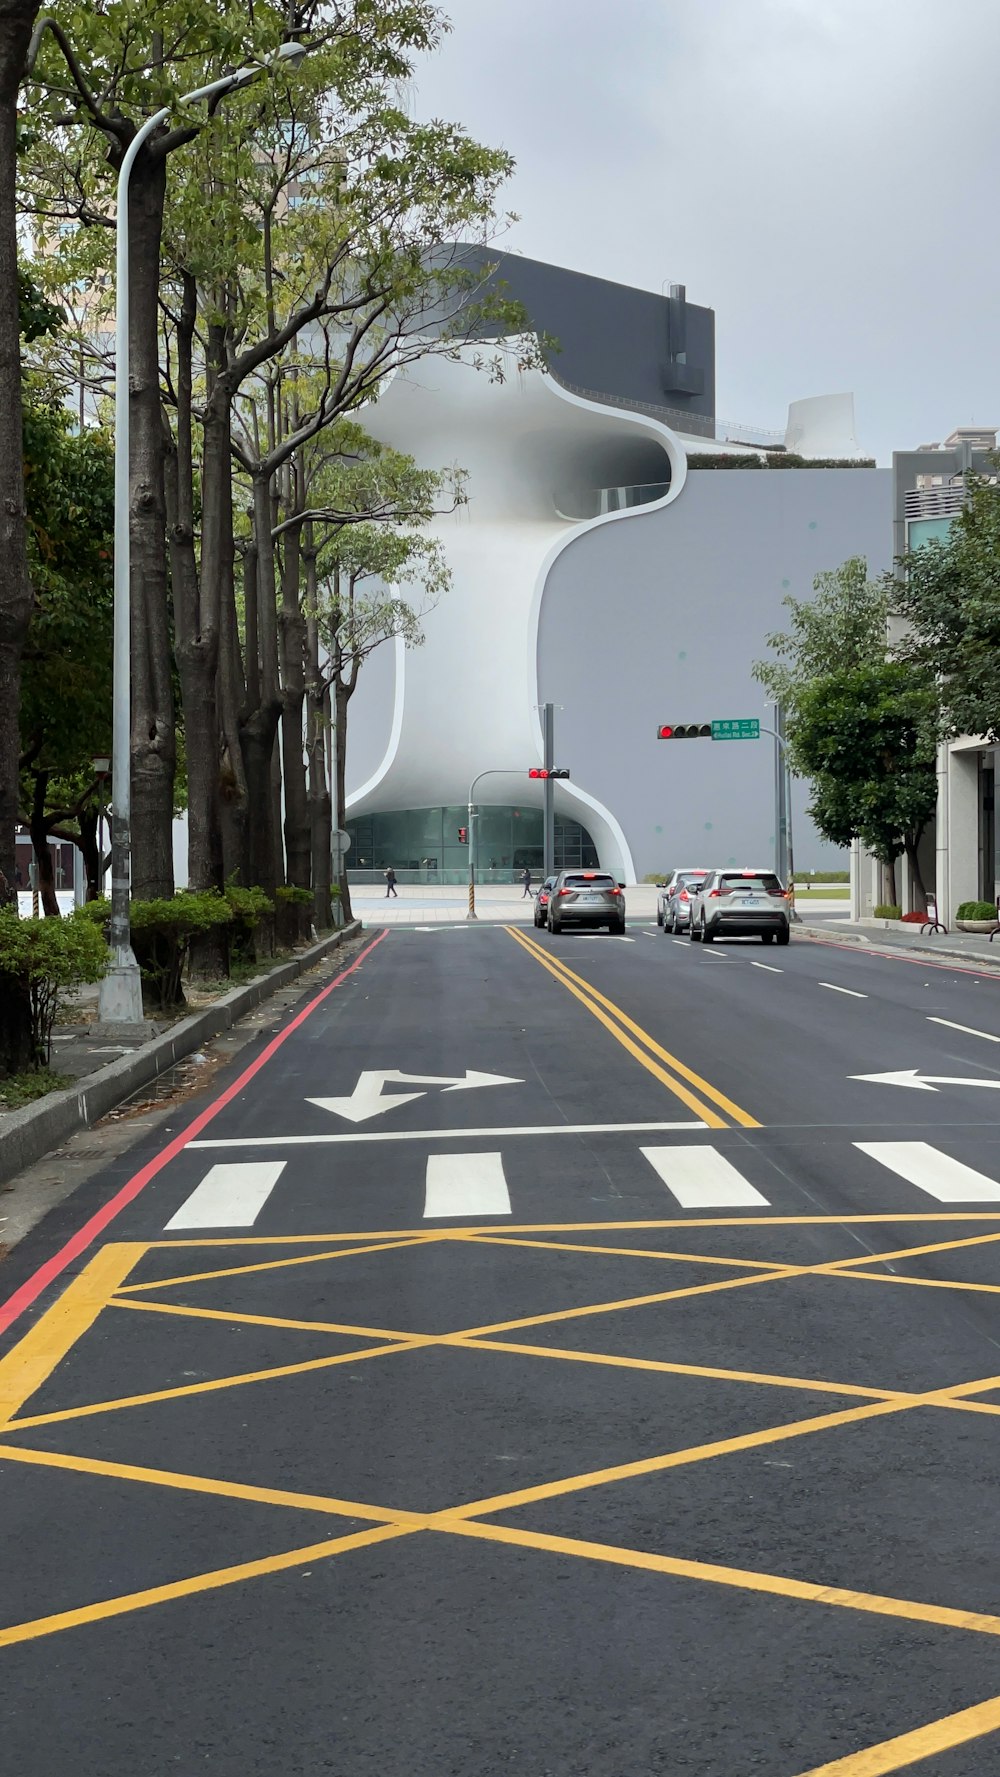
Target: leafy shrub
column 49, row 958
column 295, row 897
column 976, row 910
column 884, row 911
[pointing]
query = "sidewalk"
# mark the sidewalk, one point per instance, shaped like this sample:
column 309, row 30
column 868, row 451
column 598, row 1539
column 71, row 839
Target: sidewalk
column 967, row 947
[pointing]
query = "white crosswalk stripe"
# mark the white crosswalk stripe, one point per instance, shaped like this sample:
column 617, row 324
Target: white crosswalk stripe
column 702, row 1178
column 947, row 1180
column 230, row 1195
column 466, row 1185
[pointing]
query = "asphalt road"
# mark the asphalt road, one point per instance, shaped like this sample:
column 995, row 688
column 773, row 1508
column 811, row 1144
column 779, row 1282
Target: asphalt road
column 541, row 1356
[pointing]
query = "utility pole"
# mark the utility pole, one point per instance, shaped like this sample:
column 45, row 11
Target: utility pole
column 548, row 792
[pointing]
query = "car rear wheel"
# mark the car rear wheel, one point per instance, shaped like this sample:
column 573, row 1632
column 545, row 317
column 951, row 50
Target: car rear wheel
column 659, row 916
column 618, row 927
column 766, row 937
column 783, row 937
column 707, row 936
column 693, row 932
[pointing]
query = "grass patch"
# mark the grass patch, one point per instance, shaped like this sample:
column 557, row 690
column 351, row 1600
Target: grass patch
column 23, row 1089
column 821, row 893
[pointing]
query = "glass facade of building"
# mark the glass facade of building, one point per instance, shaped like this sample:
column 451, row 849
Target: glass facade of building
column 422, row 845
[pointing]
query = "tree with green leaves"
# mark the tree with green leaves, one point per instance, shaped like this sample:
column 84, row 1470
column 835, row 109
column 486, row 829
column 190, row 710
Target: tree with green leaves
column 17, row 18
column 860, row 725
column 948, row 594
column 867, row 737
column 66, row 676
column 375, row 583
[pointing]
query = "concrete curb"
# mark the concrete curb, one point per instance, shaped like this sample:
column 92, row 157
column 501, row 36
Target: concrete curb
column 28, row 1134
column 928, row 947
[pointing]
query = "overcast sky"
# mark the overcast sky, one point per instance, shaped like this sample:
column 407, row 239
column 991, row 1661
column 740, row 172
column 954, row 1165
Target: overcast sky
column 822, row 173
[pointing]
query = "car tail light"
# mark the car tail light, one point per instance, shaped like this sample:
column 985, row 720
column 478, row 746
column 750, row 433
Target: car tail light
column 617, row 892
column 684, row 896
column 714, row 894
column 565, row 891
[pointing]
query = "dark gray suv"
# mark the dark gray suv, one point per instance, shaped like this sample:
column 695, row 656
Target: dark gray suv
column 586, row 898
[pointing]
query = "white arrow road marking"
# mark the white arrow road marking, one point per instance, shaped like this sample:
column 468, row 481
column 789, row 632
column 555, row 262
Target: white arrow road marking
column 231, row 1195
column 702, row 1178
column 367, row 1101
column 948, row 1180
column 466, row 1185
column 911, row 1076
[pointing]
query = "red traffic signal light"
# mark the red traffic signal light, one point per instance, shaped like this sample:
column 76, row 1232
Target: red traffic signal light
column 684, row 731
column 463, row 835
column 557, row 771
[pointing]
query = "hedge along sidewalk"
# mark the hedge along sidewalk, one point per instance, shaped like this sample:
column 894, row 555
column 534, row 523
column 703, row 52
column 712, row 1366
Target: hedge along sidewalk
column 965, row 947
column 27, row 1134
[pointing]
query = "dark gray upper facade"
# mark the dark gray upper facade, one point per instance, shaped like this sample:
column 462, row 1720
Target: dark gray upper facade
column 631, row 348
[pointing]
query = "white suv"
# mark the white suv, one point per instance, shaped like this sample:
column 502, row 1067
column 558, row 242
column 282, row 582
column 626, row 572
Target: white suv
column 739, row 904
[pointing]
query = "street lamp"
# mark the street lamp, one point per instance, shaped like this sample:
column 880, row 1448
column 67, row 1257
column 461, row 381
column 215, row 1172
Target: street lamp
column 495, row 771
column 121, row 989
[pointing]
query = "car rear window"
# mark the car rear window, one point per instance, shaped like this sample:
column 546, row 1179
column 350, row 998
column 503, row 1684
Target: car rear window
column 591, row 881
column 764, row 880
column 686, row 876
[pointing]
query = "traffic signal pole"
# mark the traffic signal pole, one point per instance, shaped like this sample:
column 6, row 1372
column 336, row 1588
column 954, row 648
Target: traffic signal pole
column 548, row 793
column 547, row 772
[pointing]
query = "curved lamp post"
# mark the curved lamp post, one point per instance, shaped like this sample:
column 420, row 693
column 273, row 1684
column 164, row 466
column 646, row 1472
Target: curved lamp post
column 121, row 990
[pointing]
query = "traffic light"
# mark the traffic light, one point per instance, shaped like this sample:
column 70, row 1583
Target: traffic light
column 684, row 731
column 463, row 835
column 557, row 771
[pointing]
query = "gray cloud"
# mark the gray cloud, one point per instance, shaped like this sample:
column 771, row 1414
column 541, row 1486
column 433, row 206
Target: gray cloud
column 820, row 172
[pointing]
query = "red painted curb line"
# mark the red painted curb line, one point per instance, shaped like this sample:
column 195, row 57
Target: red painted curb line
column 78, row 1242
column 900, row 956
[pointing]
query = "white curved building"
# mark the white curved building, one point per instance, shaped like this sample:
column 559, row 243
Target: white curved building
column 596, row 568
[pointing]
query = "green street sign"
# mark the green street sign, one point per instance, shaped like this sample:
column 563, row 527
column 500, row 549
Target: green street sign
column 737, row 728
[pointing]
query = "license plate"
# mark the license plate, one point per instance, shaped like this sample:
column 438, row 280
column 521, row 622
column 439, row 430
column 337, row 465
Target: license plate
column 592, row 897
column 750, row 901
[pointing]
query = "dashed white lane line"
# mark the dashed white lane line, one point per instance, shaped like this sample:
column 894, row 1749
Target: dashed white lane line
column 355, row 1135
column 848, row 990
column 231, row 1195
column 947, row 1180
column 987, row 1035
column 769, row 967
column 702, row 1178
column 684, row 941
column 466, row 1185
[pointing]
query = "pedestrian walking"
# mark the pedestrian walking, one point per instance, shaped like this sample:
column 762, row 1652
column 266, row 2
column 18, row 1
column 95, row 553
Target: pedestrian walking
column 526, row 883
column 390, row 883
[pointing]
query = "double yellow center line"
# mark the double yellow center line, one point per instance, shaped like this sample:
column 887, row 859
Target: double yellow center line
column 646, row 1050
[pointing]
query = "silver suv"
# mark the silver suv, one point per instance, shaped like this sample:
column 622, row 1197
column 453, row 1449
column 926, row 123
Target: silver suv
column 586, row 898
column 740, row 904
column 673, row 903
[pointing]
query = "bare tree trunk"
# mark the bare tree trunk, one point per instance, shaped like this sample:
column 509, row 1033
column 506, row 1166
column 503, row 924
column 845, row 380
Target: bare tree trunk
column 911, row 844
column 260, row 724
column 196, row 605
column 39, row 830
column 342, row 697
column 153, row 732
column 16, row 20
column 318, row 719
column 292, row 634
column 88, row 820
column 234, row 809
